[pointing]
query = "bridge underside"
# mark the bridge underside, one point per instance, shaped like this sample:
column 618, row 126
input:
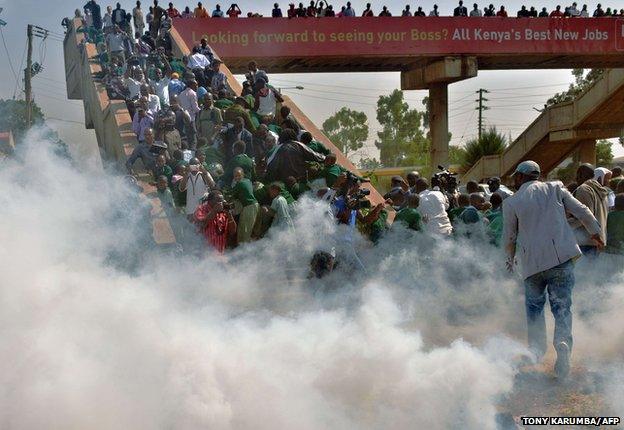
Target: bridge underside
column 344, row 64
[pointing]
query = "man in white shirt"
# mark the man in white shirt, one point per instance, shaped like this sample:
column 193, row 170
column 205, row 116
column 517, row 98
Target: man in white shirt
column 434, row 12
column 153, row 102
column 537, row 233
column 349, row 11
column 217, row 12
column 160, row 85
column 279, row 209
column 115, row 43
column 107, row 19
column 134, row 83
column 188, row 99
column 433, row 206
column 137, row 17
column 476, row 11
column 573, row 10
column 196, row 183
column 197, row 60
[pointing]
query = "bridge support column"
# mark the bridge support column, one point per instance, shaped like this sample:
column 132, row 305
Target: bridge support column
column 436, row 76
column 587, row 152
column 438, row 125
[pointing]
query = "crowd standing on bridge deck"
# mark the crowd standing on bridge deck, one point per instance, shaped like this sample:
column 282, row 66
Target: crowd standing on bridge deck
column 156, row 15
column 231, row 168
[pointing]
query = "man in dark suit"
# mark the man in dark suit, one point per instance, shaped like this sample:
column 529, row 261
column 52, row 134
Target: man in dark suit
column 460, row 10
column 234, row 134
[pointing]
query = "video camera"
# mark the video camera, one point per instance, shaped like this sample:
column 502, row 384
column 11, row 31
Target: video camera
column 358, row 200
column 445, row 180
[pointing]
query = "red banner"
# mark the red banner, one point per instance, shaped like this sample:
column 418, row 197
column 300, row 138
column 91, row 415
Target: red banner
column 398, row 36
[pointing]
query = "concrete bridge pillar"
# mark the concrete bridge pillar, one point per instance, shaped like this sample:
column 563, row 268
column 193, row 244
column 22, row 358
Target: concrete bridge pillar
column 438, row 125
column 436, row 77
column 587, row 152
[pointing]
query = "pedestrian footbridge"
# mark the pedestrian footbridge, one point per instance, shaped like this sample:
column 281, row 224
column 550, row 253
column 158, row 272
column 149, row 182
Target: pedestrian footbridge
column 562, row 129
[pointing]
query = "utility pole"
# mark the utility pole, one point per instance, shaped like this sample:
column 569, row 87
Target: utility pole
column 481, row 108
column 28, row 76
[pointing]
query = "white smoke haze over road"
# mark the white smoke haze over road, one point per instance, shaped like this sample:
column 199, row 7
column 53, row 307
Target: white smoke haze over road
column 100, row 332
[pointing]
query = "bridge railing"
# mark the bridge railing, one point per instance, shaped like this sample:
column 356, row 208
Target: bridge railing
column 109, row 119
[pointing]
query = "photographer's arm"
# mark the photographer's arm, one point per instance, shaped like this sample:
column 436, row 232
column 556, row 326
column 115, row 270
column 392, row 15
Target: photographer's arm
column 373, row 215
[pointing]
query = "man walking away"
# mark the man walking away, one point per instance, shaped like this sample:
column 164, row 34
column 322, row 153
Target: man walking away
column 535, row 226
column 594, row 196
column 433, row 207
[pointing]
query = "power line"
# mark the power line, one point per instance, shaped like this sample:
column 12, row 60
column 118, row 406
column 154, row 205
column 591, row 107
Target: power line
column 481, row 108
column 20, row 68
column 8, row 54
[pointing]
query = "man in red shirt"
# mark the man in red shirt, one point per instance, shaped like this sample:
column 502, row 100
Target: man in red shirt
column 215, row 221
column 502, row 12
column 557, row 12
column 173, row 12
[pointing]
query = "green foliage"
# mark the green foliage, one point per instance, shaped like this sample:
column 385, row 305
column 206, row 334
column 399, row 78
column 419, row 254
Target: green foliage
column 402, row 141
column 13, row 117
column 604, row 153
column 567, row 173
column 491, row 143
column 347, row 129
column 581, row 83
column 457, row 154
column 369, row 164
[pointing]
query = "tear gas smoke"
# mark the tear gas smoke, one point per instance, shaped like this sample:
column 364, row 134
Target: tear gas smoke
column 184, row 341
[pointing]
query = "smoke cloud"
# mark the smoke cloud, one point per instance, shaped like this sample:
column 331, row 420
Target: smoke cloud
column 102, row 331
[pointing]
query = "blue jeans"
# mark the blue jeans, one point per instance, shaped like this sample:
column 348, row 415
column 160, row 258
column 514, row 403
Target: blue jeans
column 559, row 282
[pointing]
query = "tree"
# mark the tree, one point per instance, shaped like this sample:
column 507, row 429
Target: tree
column 581, row 83
column 369, row 164
column 456, row 154
column 604, row 153
column 347, row 129
column 402, row 141
column 13, row 117
column 491, row 143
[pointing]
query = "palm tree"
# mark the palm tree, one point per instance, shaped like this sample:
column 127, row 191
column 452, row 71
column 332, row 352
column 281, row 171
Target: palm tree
column 491, row 143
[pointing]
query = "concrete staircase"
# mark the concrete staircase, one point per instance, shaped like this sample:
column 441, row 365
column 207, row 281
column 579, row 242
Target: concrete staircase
column 561, row 129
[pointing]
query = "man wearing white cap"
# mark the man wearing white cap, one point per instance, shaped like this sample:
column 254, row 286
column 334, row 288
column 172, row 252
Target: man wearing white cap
column 537, row 232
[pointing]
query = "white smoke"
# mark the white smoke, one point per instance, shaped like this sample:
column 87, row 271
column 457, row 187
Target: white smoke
column 101, row 331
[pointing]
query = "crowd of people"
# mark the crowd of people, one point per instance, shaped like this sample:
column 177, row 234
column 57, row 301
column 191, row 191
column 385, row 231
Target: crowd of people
column 234, row 165
column 232, row 168
column 321, row 9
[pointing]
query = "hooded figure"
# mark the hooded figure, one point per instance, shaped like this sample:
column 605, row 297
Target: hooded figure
column 593, row 195
column 603, row 176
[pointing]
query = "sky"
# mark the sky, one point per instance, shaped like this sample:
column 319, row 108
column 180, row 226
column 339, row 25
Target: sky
column 512, row 97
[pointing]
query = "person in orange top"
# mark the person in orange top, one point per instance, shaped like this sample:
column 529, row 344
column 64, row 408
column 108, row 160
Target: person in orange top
column 200, row 11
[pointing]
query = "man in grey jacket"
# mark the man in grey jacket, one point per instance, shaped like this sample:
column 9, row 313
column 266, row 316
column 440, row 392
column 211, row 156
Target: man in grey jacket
column 537, row 233
column 593, row 195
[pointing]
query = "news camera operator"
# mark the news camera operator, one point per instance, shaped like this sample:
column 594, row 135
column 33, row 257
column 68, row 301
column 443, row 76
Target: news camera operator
column 215, row 221
column 342, row 199
column 446, row 182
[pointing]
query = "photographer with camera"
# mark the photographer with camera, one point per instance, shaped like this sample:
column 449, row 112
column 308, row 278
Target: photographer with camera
column 215, row 221
column 196, row 183
column 446, row 182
